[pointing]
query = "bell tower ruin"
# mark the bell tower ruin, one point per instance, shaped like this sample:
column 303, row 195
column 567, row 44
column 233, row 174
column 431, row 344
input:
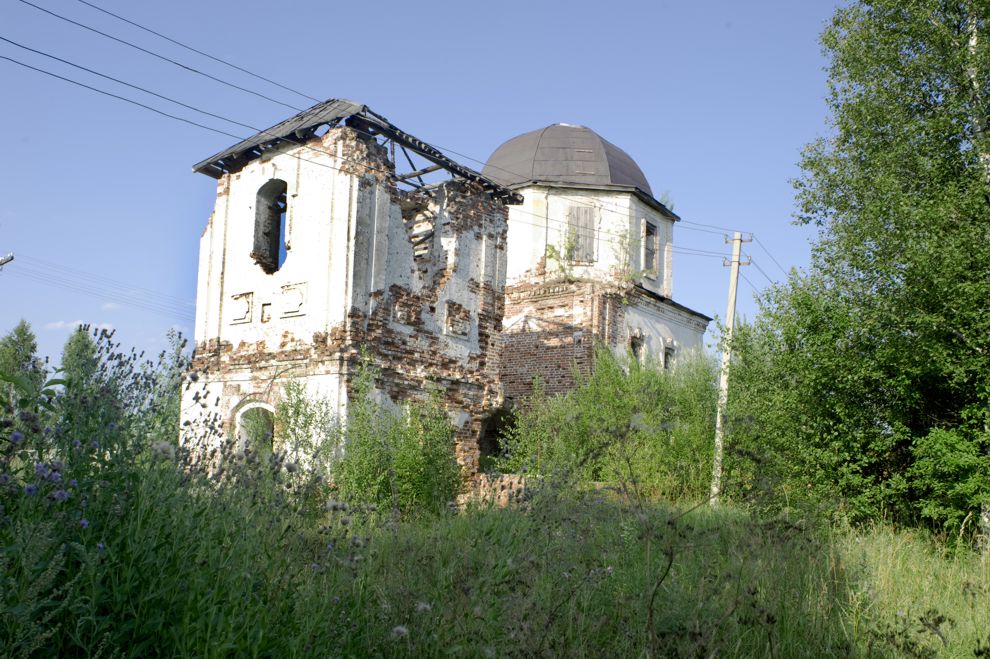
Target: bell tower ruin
column 317, row 249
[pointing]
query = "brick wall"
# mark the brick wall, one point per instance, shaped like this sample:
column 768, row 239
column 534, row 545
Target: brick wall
column 551, row 330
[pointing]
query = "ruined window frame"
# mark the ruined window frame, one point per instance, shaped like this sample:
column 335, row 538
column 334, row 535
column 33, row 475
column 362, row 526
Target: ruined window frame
column 271, row 213
column 668, row 358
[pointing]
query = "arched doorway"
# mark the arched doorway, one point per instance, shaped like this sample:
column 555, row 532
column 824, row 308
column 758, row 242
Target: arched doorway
column 256, row 429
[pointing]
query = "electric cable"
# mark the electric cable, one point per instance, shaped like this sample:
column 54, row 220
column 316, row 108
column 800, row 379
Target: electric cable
column 696, row 226
column 98, row 279
column 161, row 57
column 764, row 248
column 122, row 98
column 125, row 83
column 198, row 52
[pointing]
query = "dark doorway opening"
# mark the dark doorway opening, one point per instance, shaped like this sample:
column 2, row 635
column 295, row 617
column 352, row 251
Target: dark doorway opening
column 491, row 443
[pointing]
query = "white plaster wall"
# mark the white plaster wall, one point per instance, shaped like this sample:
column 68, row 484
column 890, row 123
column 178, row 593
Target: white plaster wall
column 309, row 293
column 662, row 326
column 620, row 226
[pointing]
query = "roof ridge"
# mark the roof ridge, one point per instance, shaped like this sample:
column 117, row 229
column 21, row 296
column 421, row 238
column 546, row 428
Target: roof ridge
column 539, row 142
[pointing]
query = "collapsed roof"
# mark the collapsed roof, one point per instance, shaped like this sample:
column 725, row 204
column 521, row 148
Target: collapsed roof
column 331, row 113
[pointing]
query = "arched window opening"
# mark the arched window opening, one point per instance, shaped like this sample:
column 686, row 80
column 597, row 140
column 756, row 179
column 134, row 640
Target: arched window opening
column 256, row 431
column 270, row 213
column 491, row 443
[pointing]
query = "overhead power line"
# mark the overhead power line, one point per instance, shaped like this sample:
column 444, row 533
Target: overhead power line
column 762, row 271
column 601, row 232
column 125, row 83
column 161, row 57
column 118, row 97
column 171, row 116
column 764, row 248
column 751, row 284
column 691, row 226
column 76, row 287
column 199, row 52
column 103, row 280
column 599, row 207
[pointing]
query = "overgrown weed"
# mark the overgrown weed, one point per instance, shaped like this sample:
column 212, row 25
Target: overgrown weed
column 137, row 547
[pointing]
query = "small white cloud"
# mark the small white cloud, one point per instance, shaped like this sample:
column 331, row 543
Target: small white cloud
column 110, row 306
column 73, row 324
column 63, row 324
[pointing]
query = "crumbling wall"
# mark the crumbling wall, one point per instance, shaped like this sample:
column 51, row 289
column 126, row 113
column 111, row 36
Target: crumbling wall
column 415, row 278
column 550, row 333
column 439, row 327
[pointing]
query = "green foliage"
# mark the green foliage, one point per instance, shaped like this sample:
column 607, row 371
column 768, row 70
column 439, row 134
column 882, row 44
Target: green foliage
column 19, row 359
column 306, row 427
column 949, row 474
column 626, row 422
column 118, row 543
column 404, row 463
column 563, row 256
column 859, row 367
column 257, row 426
column 80, row 362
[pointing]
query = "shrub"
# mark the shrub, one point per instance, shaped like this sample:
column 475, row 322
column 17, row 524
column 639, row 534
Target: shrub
column 403, row 462
column 625, row 422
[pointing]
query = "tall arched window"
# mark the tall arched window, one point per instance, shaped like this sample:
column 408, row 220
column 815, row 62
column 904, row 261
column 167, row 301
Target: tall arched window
column 270, row 211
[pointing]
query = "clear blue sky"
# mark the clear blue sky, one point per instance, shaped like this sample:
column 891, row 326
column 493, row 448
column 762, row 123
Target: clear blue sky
column 713, row 99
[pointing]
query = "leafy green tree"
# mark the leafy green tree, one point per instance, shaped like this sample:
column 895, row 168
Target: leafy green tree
column 19, row 355
column 80, row 362
column 876, row 359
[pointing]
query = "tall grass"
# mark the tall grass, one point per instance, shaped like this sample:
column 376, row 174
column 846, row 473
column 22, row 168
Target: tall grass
column 136, row 549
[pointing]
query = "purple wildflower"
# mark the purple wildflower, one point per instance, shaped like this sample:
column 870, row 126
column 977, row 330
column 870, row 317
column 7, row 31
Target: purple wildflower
column 41, row 469
column 85, row 524
column 55, row 477
column 100, row 546
column 30, row 489
column 60, row 495
column 48, row 430
column 4, row 479
column 76, row 443
column 16, row 437
column 94, row 445
column 73, row 483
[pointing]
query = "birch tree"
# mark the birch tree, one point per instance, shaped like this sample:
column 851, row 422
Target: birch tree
column 881, row 348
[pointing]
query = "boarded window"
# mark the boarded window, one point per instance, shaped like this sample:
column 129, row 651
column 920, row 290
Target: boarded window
column 650, row 249
column 270, row 210
column 581, row 234
column 668, row 359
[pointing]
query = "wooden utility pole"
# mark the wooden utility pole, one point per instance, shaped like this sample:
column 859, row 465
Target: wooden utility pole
column 723, row 378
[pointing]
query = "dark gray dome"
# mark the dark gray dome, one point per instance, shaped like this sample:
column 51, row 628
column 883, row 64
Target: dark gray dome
column 562, row 153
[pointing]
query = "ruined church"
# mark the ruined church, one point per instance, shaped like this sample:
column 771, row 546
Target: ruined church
column 320, row 248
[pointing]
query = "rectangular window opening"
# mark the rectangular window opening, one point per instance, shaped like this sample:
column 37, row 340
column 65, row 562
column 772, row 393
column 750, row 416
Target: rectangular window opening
column 650, row 250
column 580, row 245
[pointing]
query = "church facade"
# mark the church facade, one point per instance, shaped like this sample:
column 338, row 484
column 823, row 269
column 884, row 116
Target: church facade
column 319, row 254
column 590, row 261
